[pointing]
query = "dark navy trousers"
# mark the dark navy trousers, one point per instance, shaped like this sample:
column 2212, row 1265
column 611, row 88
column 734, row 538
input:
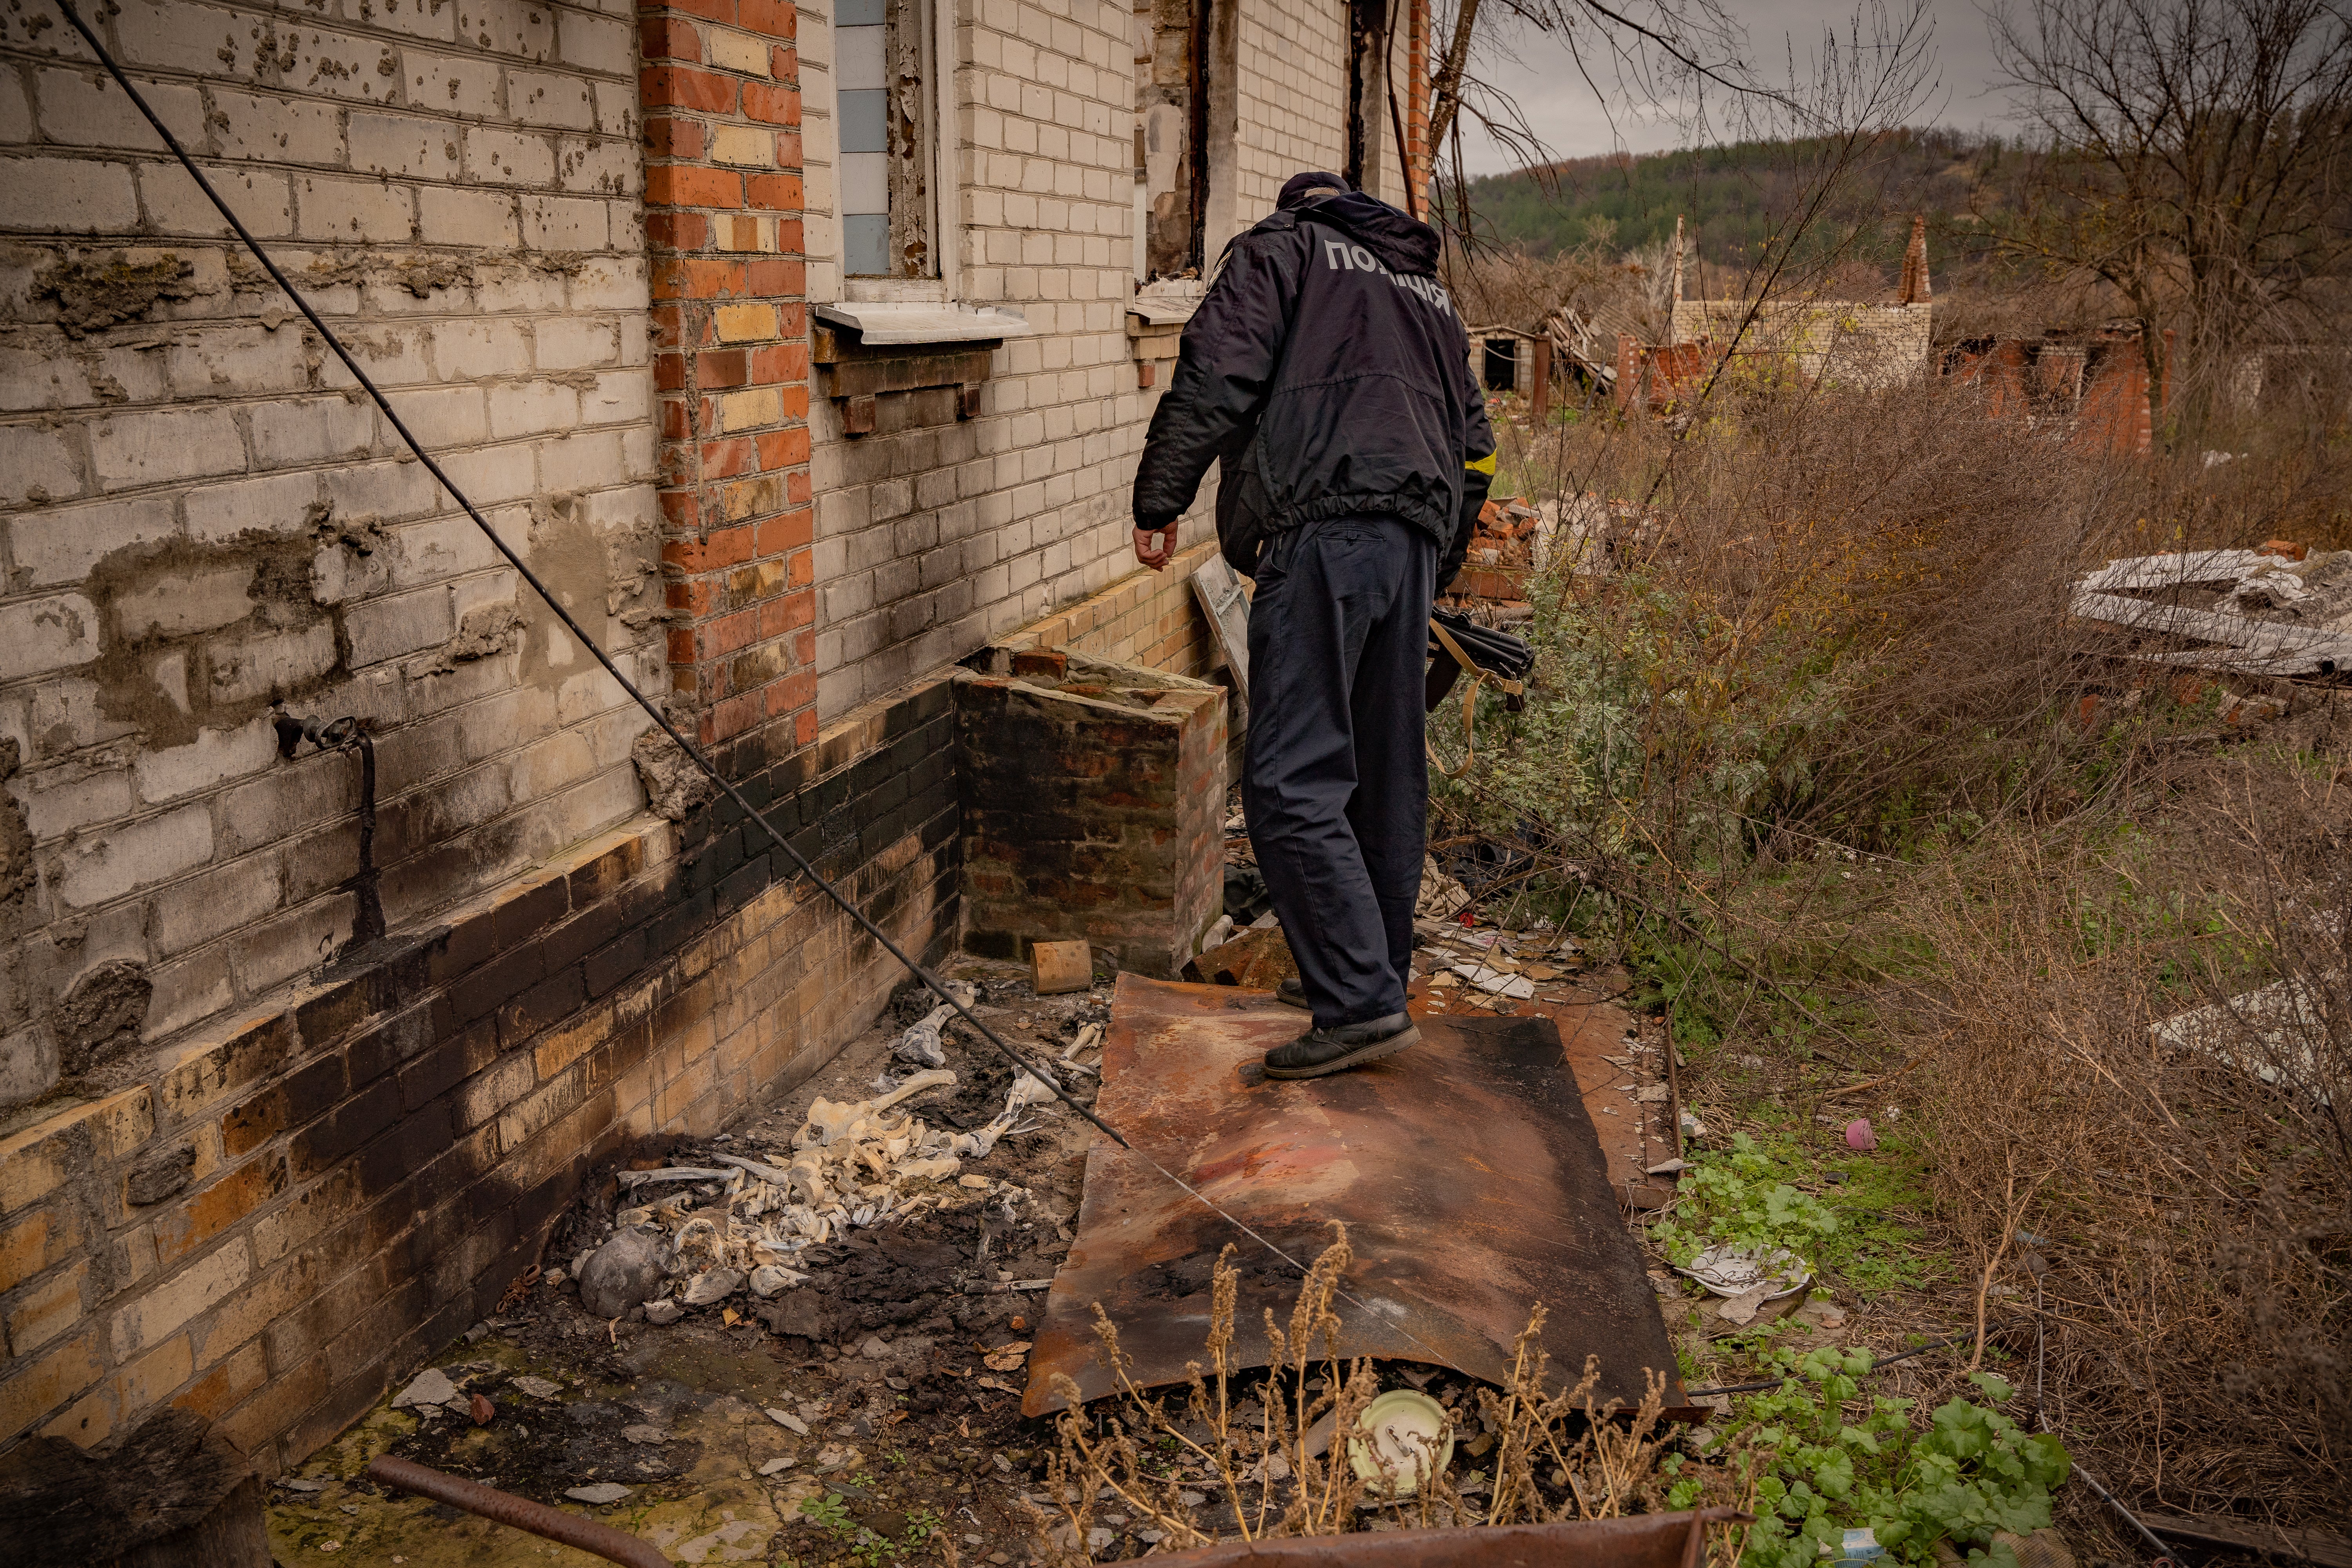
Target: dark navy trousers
column 1336, row 780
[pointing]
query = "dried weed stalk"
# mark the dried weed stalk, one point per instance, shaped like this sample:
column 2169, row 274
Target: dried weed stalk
column 2187, row 1217
column 1275, row 1460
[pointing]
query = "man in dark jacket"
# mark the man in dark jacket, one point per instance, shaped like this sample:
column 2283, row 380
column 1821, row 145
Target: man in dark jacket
column 1328, row 375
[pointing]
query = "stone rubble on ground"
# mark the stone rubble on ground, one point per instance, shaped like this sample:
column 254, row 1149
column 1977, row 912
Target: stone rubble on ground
column 430, row 1387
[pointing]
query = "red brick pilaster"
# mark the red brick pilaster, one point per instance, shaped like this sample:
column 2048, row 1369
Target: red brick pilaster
column 1416, row 111
column 721, row 89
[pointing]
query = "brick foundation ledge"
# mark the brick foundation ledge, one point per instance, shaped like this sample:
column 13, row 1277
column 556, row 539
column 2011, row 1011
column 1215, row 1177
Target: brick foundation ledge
column 296, row 1207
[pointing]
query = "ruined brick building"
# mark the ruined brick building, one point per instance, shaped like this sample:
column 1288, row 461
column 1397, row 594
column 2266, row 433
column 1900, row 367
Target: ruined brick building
column 1816, row 341
column 799, row 348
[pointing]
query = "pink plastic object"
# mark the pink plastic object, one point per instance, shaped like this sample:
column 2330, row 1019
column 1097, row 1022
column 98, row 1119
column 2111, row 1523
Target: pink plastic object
column 1858, row 1134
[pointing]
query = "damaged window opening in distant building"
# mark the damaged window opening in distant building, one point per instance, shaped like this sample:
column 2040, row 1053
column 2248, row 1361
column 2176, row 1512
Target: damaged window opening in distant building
column 885, row 59
column 1205, row 73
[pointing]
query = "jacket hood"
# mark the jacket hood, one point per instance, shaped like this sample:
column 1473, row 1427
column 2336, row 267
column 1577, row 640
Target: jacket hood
column 1403, row 243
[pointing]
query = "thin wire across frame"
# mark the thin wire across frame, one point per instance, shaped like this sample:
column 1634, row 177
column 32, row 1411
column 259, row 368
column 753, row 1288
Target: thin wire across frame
column 653, row 710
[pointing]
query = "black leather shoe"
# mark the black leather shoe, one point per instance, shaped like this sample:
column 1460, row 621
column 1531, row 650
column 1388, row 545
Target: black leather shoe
column 1320, row 1051
column 1291, row 993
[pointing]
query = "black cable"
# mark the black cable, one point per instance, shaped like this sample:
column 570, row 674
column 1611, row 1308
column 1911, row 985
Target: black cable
column 937, row 987
column 368, row 385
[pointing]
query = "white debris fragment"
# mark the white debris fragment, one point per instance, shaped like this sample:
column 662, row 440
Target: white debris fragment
column 1518, row 987
column 600, row 1494
column 537, row 1387
column 774, row 1466
column 788, row 1421
column 769, row 1278
column 431, row 1386
column 713, row 1285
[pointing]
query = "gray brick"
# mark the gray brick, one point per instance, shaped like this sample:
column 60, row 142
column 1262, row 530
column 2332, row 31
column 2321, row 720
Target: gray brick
column 483, row 219
column 398, row 624
column 37, row 465
column 89, row 110
column 62, row 545
column 311, row 430
column 113, row 861
column 348, row 210
column 550, row 97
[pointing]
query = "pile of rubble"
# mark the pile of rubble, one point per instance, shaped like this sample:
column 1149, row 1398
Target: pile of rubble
column 2277, row 611
column 743, row 1223
column 1502, row 553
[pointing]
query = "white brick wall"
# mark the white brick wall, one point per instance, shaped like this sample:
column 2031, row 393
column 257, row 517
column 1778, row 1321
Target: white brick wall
column 1293, row 85
column 932, row 540
column 202, row 514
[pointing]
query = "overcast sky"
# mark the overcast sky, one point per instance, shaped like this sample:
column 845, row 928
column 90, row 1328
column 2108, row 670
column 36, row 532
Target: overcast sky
column 1574, row 123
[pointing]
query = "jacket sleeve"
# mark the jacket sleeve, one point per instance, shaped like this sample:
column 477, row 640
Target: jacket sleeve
column 1478, row 476
column 1225, row 367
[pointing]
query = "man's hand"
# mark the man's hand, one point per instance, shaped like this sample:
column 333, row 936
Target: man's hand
column 1153, row 546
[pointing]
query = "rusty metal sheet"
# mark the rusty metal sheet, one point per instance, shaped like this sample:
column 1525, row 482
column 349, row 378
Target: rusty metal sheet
column 1646, row 1541
column 1633, row 1136
column 1465, row 1169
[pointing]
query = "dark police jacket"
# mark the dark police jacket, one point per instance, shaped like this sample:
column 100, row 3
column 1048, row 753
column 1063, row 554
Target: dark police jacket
column 1326, row 371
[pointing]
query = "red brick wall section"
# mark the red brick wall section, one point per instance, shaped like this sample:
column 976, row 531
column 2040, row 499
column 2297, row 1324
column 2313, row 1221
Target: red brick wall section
column 1416, row 113
column 1084, row 818
column 720, row 90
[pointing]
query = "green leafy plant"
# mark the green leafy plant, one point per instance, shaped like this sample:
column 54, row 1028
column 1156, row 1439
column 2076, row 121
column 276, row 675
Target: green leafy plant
column 826, row 1512
column 923, row 1525
column 1971, row 1473
column 1738, row 1198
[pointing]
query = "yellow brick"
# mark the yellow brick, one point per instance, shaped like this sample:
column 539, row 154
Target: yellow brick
column 149, row 1380
column 29, row 1169
column 745, row 324
column 49, row 1382
column 88, row 1422
column 47, row 1310
column 743, row 144
column 730, row 50
column 34, row 1243
column 750, row 410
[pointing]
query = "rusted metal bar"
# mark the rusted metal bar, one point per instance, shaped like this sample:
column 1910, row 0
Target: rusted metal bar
column 505, row 1508
column 1646, row 1541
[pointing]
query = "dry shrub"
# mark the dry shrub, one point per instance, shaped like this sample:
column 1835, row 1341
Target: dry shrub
column 2195, row 1221
column 1814, row 752
column 1555, row 1457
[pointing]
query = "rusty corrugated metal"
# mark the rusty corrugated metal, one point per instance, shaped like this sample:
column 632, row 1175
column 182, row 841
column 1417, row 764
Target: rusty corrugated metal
column 1465, row 1170
column 1649, row 1541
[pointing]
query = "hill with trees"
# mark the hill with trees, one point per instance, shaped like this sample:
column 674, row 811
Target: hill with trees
column 1735, row 198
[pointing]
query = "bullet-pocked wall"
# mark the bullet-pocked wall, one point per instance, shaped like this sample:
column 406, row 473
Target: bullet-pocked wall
column 990, row 488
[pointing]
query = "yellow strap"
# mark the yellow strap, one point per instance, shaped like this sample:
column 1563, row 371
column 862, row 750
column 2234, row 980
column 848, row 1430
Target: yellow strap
column 1484, row 465
column 1469, row 699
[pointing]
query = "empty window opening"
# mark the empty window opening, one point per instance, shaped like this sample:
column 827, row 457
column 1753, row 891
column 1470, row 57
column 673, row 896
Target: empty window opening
column 881, row 63
column 1502, row 364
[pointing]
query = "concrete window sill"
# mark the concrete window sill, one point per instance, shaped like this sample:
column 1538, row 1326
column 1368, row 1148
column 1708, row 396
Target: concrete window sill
column 899, row 322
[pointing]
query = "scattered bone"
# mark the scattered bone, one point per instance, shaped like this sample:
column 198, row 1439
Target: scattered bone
column 920, row 1043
